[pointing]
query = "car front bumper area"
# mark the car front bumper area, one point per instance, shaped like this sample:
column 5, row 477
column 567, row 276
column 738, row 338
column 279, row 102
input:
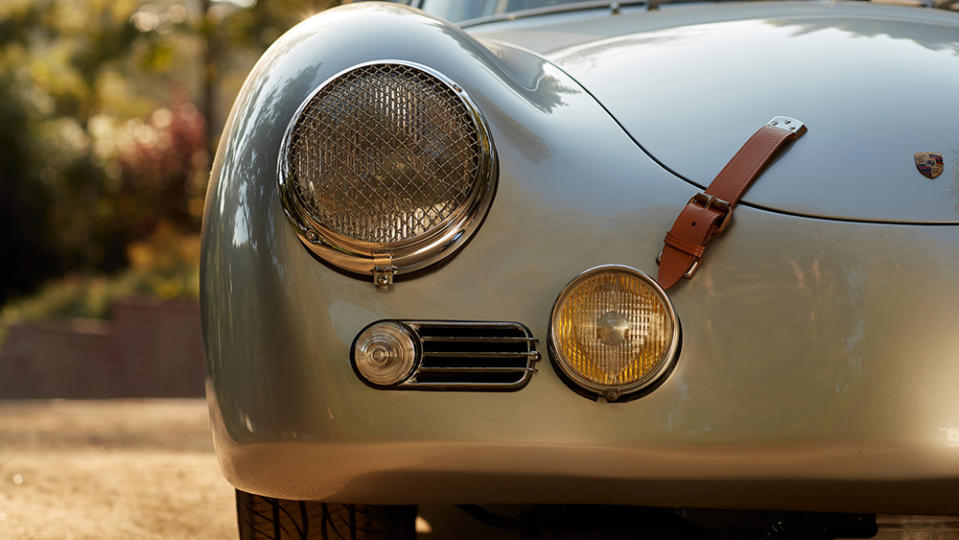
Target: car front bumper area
column 811, row 374
column 817, row 368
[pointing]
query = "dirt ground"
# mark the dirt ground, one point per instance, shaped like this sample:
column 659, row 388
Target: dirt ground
column 110, row 469
column 132, row 469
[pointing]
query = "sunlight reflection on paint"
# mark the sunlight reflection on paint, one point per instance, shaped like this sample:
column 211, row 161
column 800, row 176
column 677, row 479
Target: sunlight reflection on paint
column 952, row 435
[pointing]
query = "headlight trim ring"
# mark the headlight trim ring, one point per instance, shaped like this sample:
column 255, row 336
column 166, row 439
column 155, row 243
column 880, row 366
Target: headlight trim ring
column 364, row 256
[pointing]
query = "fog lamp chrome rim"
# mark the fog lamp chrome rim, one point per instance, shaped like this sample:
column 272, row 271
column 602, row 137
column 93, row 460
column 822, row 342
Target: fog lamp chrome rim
column 612, row 328
column 385, row 353
column 411, row 254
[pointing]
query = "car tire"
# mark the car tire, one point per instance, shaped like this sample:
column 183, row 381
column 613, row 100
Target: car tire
column 266, row 518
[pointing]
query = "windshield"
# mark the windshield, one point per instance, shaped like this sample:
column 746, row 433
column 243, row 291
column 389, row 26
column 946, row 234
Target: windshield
column 458, row 10
column 464, row 10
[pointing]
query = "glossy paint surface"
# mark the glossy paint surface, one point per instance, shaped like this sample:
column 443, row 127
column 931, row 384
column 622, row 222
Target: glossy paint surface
column 818, row 359
column 874, row 85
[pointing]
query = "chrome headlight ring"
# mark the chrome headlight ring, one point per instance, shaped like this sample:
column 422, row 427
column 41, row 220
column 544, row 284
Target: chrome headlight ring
column 401, row 175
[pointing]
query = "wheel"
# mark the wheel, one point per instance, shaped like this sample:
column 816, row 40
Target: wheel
column 266, row 518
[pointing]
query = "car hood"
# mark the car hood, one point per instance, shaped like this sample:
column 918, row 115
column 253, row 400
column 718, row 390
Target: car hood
column 873, row 84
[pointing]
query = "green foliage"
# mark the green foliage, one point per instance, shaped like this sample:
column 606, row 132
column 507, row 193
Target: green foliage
column 24, row 200
column 63, row 65
column 105, row 106
column 163, row 266
column 260, row 24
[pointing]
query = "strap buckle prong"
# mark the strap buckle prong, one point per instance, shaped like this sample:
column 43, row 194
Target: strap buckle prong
column 689, row 273
column 711, row 201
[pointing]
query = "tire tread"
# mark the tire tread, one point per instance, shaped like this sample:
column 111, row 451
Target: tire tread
column 266, row 518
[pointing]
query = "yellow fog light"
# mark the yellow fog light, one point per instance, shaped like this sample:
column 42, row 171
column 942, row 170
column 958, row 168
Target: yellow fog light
column 613, row 331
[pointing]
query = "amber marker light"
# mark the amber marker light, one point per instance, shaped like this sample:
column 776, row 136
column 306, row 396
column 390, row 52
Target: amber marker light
column 613, row 332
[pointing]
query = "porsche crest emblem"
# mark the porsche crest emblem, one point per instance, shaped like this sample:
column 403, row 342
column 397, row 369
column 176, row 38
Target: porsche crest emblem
column 929, row 163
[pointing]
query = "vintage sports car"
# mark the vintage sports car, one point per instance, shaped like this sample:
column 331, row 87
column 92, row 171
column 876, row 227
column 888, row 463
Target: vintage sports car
column 685, row 256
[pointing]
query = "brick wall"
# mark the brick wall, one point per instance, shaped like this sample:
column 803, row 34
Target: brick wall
column 147, row 349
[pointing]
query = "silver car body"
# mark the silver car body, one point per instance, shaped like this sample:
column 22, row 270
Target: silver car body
column 820, row 354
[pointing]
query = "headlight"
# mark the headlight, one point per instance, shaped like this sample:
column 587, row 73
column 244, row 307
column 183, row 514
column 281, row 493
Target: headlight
column 387, row 168
column 613, row 331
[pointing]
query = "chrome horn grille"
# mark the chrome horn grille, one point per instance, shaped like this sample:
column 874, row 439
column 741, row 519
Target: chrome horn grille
column 462, row 355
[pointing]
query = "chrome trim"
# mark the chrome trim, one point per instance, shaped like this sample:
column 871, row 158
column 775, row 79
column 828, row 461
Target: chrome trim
column 365, row 258
column 524, row 368
column 611, row 392
column 788, row 124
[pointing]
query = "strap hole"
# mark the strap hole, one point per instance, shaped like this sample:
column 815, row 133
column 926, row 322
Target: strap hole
column 694, row 224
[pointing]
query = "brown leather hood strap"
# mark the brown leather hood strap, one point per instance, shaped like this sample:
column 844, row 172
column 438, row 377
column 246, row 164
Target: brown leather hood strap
column 708, row 213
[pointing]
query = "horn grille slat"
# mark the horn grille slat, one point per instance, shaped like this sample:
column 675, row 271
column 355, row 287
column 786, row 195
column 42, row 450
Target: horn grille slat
column 459, row 355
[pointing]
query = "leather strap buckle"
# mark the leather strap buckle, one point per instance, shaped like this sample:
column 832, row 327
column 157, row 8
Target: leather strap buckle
column 708, row 201
column 689, row 273
column 685, row 243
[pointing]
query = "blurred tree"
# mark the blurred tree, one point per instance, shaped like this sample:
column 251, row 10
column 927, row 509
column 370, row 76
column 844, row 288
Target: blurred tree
column 105, row 106
column 62, row 65
column 235, row 33
column 23, row 199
